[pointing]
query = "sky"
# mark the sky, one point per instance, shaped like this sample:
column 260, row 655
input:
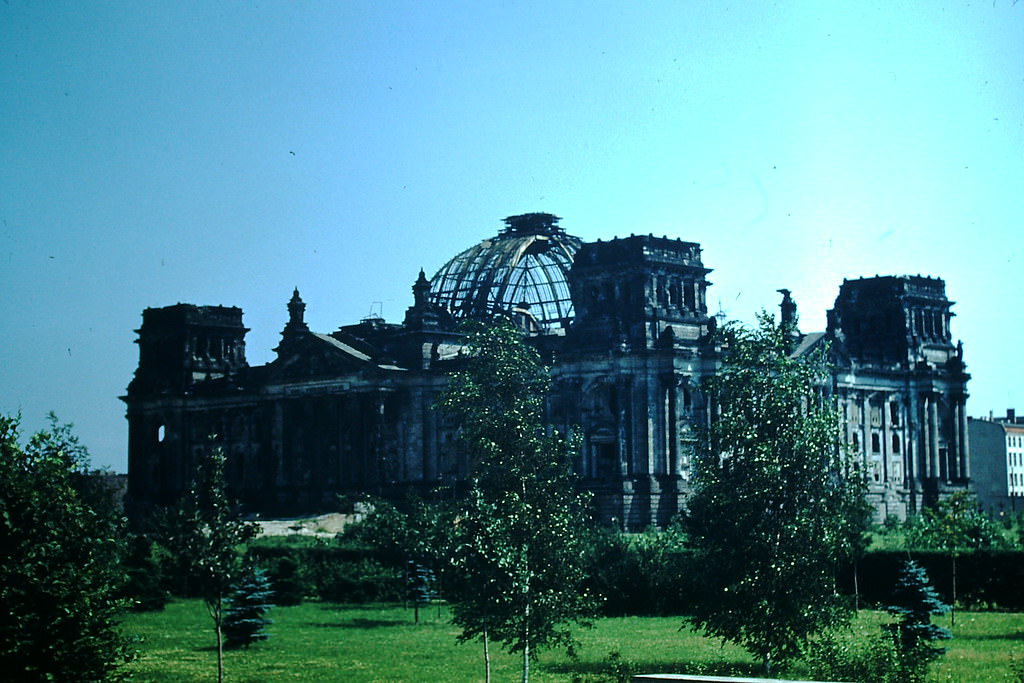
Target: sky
column 225, row 153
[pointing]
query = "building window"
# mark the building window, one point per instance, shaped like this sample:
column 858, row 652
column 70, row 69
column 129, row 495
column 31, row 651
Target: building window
column 876, row 444
column 895, row 443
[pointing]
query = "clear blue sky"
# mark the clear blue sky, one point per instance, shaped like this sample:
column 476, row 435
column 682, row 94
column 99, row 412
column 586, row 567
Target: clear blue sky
column 226, row 152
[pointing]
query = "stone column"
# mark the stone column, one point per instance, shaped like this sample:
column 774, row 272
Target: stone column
column 886, row 420
column 933, row 435
column 965, row 446
column 924, row 434
column 954, row 464
column 672, row 425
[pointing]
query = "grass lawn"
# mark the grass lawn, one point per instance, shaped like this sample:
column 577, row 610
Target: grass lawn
column 380, row 643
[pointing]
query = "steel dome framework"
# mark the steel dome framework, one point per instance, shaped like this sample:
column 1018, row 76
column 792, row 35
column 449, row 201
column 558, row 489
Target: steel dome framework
column 522, row 273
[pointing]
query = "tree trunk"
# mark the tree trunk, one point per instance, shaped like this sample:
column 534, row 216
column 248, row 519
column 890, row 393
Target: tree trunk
column 220, row 643
column 856, row 587
column 952, row 607
column 526, row 644
column 487, row 659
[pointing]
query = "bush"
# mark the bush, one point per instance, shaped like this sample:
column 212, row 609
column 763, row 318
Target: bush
column 640, row 574
column 363, row 581
column 840, row 657
column 144, row 589
column 290, row 587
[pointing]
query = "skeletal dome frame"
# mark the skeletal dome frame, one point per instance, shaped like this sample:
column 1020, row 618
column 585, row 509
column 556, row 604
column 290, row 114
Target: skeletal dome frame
column 520, row 273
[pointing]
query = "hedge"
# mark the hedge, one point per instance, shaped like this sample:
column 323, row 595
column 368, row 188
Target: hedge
column 646, row 575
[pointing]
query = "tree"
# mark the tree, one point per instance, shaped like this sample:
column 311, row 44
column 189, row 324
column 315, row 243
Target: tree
column 60, row 551
column 955, row 525
column 777, row 502
column 516, row 541
column 206, row 531
column 419, row 586
column 915, row 601
column 246, row 619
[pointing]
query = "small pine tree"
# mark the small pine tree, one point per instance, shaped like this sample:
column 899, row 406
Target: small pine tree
column 245, row 618
column 915, row 601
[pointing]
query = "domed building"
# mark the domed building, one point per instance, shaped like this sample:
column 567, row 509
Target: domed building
column 626, row 326
column 522, row 273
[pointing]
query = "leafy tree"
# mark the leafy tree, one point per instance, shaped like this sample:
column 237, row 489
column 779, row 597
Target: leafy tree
column 60, row 551
column 517, row 544
column 206, row 532
column 777, row 502
column 915, row 601
column 956, row 525
column 246, row 619
column 398, row 535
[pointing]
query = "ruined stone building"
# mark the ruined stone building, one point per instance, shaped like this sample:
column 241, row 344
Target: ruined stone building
column 902, row 388
column 625, row 327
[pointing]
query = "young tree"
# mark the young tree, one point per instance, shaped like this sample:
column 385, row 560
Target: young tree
column 517, row 543
column 955, row 525
column 207, row 531
column 419, row 587
column 777, row 503
column 246, row 619
column 60, row 551
column 915, row 601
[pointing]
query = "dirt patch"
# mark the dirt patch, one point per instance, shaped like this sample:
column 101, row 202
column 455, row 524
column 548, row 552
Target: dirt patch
column 322, row 525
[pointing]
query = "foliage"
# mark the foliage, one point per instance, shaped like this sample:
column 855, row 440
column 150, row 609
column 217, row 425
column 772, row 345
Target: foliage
column 399, row 536
column 517, row 546
column 287, row 582
column 246, row 619
column 329, row 569
column 639, row 573
column 144, row 589
column 837, row 656
column 955, row 524
column 60, row 549
column 365, row 580
column 914, row 601
column 777, row 503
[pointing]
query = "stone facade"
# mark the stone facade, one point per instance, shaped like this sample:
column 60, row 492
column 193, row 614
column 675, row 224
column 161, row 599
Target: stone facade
column 625, row 328
column 901, row 385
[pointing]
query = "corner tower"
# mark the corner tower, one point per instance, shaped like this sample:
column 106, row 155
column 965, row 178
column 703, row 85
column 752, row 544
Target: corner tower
column 902, row 387
column 640, row 291
column 629, row 374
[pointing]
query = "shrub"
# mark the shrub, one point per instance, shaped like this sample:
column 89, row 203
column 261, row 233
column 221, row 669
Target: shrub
column 363, row 581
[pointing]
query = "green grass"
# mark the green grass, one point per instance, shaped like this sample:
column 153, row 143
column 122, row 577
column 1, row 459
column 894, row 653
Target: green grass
column 326, row 642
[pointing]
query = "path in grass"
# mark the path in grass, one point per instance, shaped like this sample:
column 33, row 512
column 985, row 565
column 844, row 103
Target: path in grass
column 365, row 644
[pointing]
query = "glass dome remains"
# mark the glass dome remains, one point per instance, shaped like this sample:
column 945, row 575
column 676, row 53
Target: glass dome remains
column 522, row 273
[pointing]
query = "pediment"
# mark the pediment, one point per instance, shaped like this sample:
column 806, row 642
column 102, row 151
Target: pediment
column 316, row 355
